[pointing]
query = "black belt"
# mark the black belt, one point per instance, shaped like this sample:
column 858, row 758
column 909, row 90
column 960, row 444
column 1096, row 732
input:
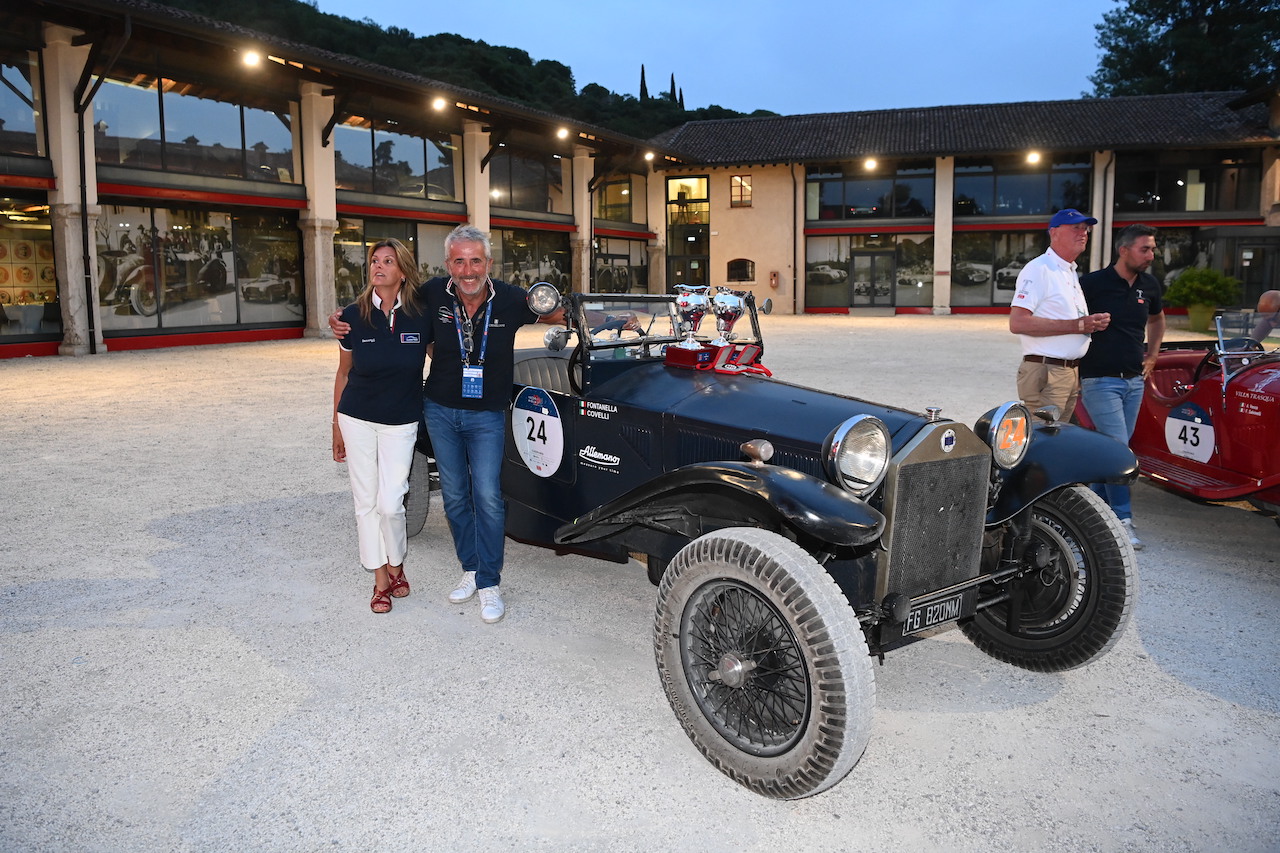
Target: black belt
column 1056, row 362
column 1119, row 374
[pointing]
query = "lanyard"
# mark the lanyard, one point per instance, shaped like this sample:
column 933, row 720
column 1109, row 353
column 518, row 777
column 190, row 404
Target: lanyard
column 484, row 338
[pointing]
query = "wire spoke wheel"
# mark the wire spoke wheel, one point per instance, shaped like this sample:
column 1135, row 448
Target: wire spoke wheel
column 764, row 662
column 748, row 673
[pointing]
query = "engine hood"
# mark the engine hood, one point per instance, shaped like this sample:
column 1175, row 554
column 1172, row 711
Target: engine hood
column 768, row 408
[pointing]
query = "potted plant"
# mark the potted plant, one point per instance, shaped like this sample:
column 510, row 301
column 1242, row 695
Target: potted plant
column 1200, row 290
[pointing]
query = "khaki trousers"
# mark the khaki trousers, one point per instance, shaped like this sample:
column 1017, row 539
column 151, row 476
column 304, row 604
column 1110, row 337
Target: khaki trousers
column 1049, row 385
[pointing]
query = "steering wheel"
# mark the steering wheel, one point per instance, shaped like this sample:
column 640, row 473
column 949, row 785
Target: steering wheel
column 575, row 369
column 1211, row 361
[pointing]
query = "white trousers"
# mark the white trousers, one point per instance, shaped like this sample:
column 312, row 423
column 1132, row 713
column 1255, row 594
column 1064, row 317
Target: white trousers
column 378, row 460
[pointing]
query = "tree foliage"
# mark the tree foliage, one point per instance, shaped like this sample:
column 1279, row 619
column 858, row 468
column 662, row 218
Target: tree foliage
column 507, row 72
column 1152, row 47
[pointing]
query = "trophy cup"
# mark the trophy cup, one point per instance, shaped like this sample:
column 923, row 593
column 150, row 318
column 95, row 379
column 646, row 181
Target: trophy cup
column 691, row 304
column 728, row 305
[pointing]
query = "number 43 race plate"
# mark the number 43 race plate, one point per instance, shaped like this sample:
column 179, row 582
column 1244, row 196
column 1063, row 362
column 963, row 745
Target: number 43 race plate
column 539, row 434
column 1188, row 432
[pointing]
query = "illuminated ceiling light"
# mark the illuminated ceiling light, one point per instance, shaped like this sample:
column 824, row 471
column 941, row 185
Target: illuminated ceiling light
column 648, row 155
column 495, row 193
column 252, row 58
column 1033, row 157
column 439, row 104
column 869, row 164
column 562, row 133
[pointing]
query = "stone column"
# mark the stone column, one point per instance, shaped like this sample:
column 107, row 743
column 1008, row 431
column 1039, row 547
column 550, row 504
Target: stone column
column 319, row 222
column 944, row 183
column 70, row 219
column 475, row 144
column 583, row 217
column 656, row 216
column 68, row 251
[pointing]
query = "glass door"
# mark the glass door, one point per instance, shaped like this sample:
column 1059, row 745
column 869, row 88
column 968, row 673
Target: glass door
column 873, row 277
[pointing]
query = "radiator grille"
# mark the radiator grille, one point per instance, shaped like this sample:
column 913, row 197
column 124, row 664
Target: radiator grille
column 936, row 506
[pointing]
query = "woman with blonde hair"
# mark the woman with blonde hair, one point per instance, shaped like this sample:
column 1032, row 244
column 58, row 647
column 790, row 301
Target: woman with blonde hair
column 377, row 403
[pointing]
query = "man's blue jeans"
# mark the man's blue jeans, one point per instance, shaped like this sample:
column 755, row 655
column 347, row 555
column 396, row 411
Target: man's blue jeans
column 1113, row 404
column 468, row 446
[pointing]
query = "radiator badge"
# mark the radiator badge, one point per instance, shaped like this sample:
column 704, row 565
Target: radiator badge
column 948, row 440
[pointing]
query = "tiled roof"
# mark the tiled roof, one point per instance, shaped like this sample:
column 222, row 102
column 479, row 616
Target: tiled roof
column 1185, row 120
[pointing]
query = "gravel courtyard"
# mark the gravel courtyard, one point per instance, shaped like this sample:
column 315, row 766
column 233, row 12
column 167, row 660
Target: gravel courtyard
column 188, row 661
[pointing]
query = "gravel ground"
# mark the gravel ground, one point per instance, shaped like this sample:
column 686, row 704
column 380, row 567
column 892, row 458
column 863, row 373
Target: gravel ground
column 188, row 661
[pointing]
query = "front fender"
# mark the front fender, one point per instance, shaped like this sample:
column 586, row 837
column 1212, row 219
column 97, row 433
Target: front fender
column 1060, row 455
column 804, row 503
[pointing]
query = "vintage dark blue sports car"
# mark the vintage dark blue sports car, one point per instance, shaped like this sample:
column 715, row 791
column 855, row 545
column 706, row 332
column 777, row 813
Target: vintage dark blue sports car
column 795, row 534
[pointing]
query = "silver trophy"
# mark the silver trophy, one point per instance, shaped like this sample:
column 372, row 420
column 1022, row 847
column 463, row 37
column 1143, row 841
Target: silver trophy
column 729, row 305
column 691, row 304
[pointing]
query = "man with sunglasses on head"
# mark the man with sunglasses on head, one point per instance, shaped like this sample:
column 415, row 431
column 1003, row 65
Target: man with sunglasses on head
column 468, row 390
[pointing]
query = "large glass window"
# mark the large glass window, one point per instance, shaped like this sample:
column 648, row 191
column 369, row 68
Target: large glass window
column 29, row 302
column 202, row 136
column 985, row 264
column 613, row 201
column 351, row 244
column 522, row 256
column 1026, row 185
column 199, row 135
column 1188, row 181
column 529, row 180
column 870, row 189
column 126, row 124
column 384, row 159
column 688, row 231
column 869, row 269
column 621, row 266
column 18, row 113
column 176, row 267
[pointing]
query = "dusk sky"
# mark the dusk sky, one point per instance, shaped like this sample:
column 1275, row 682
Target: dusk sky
column 818, row 56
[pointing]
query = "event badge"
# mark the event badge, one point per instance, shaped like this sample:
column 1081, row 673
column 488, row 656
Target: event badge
column 472, row 381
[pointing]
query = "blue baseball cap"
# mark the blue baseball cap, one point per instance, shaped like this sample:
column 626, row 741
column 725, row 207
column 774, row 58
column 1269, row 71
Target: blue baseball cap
column 1070, row 216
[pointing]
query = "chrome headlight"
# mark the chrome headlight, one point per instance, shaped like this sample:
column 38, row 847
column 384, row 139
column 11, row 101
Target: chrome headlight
column 1010, row 434
column 543, row 298
column 857, row 454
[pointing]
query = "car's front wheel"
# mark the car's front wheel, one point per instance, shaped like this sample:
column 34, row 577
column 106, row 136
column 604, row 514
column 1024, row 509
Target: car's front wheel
column 764, row 662
column 1075, row 593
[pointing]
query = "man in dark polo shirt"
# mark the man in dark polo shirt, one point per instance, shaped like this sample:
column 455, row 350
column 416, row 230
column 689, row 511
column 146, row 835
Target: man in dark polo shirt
column 1113, row 371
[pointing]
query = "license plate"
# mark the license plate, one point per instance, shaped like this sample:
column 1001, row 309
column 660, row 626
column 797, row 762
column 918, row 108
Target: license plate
column 934, row 613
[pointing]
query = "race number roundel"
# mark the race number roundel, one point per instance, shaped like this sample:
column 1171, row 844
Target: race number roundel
column 1188, row 432
column 536, row 426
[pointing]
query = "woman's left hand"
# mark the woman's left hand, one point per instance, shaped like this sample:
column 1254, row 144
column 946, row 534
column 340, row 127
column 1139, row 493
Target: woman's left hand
column 339, row 447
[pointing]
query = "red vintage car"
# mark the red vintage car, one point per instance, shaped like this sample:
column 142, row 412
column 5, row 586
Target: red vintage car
column 1209, row 426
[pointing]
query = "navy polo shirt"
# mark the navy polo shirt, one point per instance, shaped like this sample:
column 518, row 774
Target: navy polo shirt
column 387, row 356
column 509, row 312
column 1122, row 345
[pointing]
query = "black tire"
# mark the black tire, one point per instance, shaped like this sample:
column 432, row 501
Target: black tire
column 417, row 501
column 764, row 662
column 1076, row 607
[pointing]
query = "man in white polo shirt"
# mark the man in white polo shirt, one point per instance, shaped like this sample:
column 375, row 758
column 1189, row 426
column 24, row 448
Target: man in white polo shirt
column 1050, row 316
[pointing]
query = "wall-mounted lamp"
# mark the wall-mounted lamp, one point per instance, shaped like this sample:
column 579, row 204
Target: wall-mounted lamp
column 439, row 104
column 1033, row 157
column 251, row 58
column 562, row 133
column 648, row 155
column 869, row 164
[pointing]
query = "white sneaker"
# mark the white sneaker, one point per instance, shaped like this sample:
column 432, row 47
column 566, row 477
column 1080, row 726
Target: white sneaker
column 465, row 589
column 1133, row 537
column 491, row 607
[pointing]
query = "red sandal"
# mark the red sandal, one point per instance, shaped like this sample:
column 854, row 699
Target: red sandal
column 399, row 584
column 381, row 602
